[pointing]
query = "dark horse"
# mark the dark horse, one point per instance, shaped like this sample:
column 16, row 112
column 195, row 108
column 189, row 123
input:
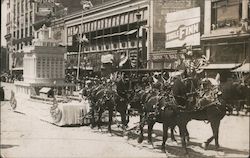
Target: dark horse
column 149, row 104
column 212, row 112
column 105, row 98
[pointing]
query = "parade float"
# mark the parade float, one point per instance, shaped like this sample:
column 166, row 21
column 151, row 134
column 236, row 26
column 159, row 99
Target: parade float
column 43, row 92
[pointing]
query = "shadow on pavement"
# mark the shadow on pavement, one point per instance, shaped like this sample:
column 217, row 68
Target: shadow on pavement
column 194, row 148
column 6, row 146
column 18, row 112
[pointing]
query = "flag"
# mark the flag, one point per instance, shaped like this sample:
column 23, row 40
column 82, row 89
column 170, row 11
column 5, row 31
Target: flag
column 86, row 4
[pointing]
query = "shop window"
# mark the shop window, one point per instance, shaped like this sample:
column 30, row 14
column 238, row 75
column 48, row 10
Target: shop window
column 107, row 46
column 30, row 31
column 21, row 33
column 17, row 34
column 133, row 43
column 123, row 44
column 26, row 32
column 226, row 13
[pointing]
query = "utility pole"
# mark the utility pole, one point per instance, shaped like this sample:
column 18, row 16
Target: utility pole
column 85, row 5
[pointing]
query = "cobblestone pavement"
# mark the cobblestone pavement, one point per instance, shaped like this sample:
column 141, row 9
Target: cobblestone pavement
column 24, row 135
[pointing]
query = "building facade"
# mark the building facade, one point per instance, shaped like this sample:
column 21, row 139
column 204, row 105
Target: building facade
column 4, row 59
column 24, row 18
column 227, row 31
column 127, row 28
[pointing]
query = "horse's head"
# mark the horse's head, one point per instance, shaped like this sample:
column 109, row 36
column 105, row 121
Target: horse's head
column 136, row 95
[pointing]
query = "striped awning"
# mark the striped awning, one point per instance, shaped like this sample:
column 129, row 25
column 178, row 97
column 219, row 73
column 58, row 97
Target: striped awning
column 244, row 68
column 220, row 66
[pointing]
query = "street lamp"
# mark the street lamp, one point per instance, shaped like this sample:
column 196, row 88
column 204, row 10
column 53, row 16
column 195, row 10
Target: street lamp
column 138, row 17
column 85, row 5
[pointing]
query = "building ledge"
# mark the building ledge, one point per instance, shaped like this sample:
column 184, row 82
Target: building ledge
column 234, row 32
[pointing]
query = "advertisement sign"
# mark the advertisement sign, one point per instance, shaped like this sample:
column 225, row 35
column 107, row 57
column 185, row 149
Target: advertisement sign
column 183, row 27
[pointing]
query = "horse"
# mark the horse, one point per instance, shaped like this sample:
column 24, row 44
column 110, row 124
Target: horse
column 105, row 98
column 149, row 105
column 213, row 112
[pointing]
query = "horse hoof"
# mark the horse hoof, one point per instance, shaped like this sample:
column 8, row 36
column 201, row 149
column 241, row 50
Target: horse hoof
column 125, row 137
column 217, row 148
column 110, row 134
column 140, row 139
column 100, row 130
column 204, row 145
column 163, row 149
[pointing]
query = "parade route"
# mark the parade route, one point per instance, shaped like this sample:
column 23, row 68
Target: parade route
column 26, row 135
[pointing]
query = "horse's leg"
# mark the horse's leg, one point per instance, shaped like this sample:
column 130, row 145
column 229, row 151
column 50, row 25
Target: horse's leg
column 92, row 121
column 172, row 134
column 165, row 137
column 110, row 118
column 142, row 123
column 99, row 119
column 186, row 134
column 128, row 113
column 183, row 135
column 215, row 127
column 150, row 129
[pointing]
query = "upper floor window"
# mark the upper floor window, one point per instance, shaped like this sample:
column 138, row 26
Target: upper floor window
column 8, row 4
column 226, row 13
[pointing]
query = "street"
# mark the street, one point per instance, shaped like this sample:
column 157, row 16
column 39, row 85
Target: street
column 24, row 135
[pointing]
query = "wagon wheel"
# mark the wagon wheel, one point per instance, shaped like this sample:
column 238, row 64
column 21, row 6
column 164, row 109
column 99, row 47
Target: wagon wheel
column 56, row 115
column 13, row 102
column 55, row 112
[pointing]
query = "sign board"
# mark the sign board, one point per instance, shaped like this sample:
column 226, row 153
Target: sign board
column 108, row 58
column 183, row 27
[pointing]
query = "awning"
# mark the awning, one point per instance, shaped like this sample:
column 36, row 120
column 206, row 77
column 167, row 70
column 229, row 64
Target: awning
column 17, row 69
column 45, row 90
column 111, row 35
column 244, row 68
column 107, row 58
column 131, row 32
column 220, row 66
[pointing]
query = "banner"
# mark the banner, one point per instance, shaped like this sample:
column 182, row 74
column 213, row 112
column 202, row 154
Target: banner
column 107, row 58
column 183, row 27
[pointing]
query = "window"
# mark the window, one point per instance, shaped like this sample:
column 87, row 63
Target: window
column 31, row 4
column 226, row 13
column 8, row 18
column 26, row 18
column 22, row 6
column 14, row 34
column 26, row 32
column 26, row 5
column 18, row 10
column 17, row 34
column 8, row 30
column 21, row 33
column 31, row 16
column 8, row 4
column 30, row 31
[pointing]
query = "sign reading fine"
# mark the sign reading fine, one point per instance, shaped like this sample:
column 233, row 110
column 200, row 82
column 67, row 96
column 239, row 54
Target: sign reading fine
column 183, row 27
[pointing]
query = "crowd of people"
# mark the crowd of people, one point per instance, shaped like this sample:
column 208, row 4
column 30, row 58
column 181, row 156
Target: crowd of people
column 10, row 77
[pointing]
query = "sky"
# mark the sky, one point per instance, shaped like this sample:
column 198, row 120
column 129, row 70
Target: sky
column 3, row 22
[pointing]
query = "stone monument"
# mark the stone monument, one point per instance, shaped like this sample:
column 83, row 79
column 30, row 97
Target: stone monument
column 43, row 64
